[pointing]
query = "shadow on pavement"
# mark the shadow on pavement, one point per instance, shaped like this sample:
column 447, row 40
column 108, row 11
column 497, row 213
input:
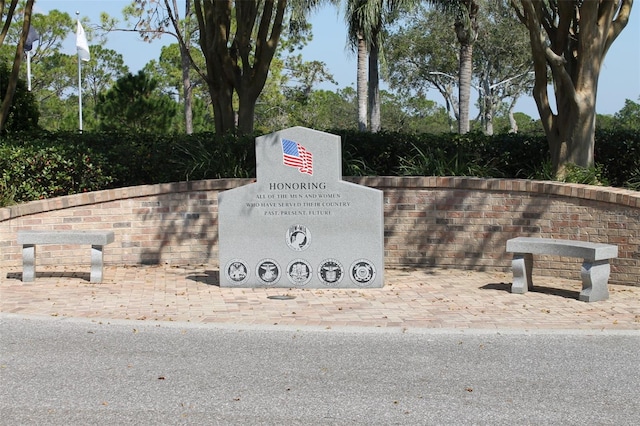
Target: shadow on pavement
column 209, row 277
column 568, row 294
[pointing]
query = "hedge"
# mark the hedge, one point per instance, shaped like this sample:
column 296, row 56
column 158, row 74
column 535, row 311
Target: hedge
column 36, row 165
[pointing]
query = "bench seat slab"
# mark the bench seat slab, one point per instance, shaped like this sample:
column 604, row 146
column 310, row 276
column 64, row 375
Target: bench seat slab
column 65, row 237
column 569, row 248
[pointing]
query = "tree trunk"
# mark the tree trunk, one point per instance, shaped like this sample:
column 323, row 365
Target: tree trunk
column 361, row 84
column 513, row 124
column 13, row 77
column 488, row 122
column 187, row 91
column 374, row 89
column 221, row 93
column 246, row 112
column 487, row 103
column 572, row 136
column 464, row 86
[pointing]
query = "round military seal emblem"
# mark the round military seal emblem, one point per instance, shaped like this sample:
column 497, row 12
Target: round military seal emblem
column 299, row 272
column 268, row 271
column 362, row 272
column 237, row 271
column 330, row 272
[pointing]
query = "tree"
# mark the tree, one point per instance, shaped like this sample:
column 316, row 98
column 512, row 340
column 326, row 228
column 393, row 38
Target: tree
column 168, row 72
column 421, row 55
column 133, row 104
column 360, row 19
column 413, row 114
column 239, row 39
column 102, row 71
column 304, row 75
column 466, row 30
column 502, row 62
column 23, row 113
column 325, row 110
column 570, row 38
column 12, row 82
column 629, row 116
column 366, row 21
column 55, row 76
column 158, row 17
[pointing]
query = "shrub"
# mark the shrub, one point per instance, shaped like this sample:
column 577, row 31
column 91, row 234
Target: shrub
column 23, row 112
column 32, row 172
column 618, row 152
column 41, row 164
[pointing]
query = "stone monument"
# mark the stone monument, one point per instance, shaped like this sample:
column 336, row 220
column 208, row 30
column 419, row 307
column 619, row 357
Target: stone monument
column 300, row 225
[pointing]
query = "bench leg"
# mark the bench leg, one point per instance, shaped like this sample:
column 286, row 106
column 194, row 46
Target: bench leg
column 96, row 264
column 28, row 262
column 521, row 266
column 595, row 276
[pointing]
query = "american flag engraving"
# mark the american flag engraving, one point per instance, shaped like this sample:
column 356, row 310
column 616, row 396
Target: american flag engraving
column 295, row 155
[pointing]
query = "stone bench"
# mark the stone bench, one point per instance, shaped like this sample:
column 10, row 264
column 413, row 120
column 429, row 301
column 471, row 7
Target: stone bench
column 29, row 240
column 595, row 266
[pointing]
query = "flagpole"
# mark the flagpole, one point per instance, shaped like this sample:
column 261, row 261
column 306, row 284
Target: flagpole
column 79, row 85
column 80, row 93
column 29, row 70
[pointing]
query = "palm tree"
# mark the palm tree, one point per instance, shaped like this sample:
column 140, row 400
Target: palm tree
column 359, row 20
column 466, row 28
column 366, row 20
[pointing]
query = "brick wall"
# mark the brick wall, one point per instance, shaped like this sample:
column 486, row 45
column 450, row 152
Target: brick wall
column 429, row 221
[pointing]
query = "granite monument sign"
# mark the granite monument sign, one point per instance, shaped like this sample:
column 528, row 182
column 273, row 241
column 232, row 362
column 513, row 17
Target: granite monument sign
column 300, row 225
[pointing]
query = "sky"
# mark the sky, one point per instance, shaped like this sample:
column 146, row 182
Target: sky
column 619, row 77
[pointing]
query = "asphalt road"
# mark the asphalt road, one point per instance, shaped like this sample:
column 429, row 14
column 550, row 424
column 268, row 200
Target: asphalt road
column 82, row 372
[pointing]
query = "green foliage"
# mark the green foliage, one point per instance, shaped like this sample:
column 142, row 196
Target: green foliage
column 618, row 151
column 36, row 165
column 33, row 171
column 573, row 174
column 323, row 109
column 524, row 122
column 210, row 156
column 7, row 192
column 134, row 105
column 629, row 116
column 634, row 180
column 544, row 171
column 23, row 113
column 441, row 163
column 413, row 114
column 585, row 175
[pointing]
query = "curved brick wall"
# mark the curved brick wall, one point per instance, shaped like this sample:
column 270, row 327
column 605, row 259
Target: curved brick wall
column 429, row 221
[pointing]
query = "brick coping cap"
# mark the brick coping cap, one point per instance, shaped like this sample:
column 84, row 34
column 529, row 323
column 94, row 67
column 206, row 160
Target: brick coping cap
column 618, row 196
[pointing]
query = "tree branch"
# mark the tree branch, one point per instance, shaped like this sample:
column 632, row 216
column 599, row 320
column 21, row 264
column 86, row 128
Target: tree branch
column 619, row 23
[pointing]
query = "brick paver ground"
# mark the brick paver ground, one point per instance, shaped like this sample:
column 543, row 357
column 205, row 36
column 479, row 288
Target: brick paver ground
column 410, row 299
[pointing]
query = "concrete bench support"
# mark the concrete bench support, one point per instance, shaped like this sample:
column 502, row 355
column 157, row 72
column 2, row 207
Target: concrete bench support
column 29, row 240
column 595, row 266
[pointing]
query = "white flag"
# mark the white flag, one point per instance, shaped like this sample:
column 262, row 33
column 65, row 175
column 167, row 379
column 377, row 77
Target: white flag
column 81, row 44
